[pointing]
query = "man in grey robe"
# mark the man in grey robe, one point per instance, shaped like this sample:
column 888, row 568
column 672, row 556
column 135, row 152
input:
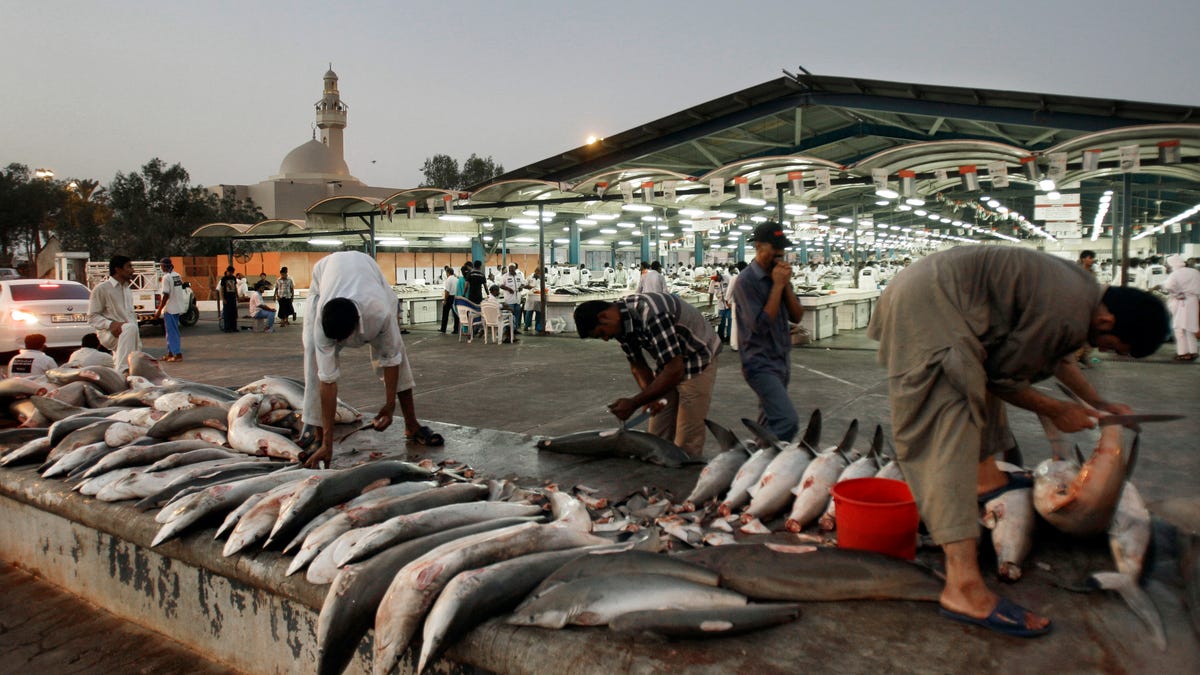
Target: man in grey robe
column 962, row 332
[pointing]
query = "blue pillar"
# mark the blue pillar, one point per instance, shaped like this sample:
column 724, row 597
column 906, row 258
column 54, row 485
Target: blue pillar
column 573, row 246
column 804, row 251
column 476, row 248
column 741, row 249
column 699, row 259
column 613, row 254
column 827, row 246
column 645, row 243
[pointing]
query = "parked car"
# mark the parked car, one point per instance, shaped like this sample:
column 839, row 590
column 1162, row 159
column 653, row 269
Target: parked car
column 56, row 309
column 9, row 273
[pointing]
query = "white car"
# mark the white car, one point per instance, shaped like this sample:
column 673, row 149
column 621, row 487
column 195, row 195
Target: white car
column 56, row 309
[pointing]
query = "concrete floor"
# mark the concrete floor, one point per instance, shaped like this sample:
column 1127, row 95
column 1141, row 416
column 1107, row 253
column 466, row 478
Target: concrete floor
column 474, row 393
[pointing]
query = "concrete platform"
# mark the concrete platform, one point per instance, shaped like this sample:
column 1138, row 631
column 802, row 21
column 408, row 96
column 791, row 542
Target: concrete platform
column 490, row 400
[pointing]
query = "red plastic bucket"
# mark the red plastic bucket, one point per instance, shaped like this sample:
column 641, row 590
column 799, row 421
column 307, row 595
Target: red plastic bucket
column 877, row 514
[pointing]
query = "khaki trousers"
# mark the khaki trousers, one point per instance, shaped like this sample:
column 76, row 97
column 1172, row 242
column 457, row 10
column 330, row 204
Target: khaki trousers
column 682, row 421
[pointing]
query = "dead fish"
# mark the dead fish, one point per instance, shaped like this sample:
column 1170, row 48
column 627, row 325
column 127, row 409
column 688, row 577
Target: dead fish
column 619, row 442
column 621, row 563
column 595, row 601
column 747, row 476
column 293, row 392
column 196, row 456
column 32, row 451
column 255, row 524
column 245, row 435
column 15, row 438
column 78, row 456
column 1010, row 518
column 377, row 512
column 419, row 524
column 22, row 387
column 767, row 572
column 1128, row 538
column 891, row 471
column 773, row 490
column 570, row 511
column 142, row 455
column 365, row 499
column 474, row 595
column 218, row 499
column 140, row 484
column 354, row 596
column 74, row 393
column 718, row 474
column 341, row 486
column 85, row 435
column 1081, row 500
column 193, row 481
column 123, row 433
column 143, row 365
column 210, row 436
column 182, row 420
column 863, row 467
column 812, row 492
column 418, row 583
column 25, row 412
column 690, row 624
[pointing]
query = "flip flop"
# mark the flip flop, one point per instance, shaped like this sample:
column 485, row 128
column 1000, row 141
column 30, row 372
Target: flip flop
column 1016, row 481
column 308, row 435
column 1007, row 618
column 428, row 437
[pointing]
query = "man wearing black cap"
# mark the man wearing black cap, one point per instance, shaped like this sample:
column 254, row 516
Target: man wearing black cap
column 171, row 303
column 764, row 304
column 964, row 331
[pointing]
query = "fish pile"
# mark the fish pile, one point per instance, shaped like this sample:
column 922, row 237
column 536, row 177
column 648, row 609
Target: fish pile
column 745, row 491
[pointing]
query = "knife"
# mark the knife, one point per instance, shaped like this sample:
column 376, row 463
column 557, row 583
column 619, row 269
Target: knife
column 1125, row 420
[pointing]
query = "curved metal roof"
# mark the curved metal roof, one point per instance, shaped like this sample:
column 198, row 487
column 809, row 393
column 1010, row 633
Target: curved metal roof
column 344, row 205
column 221, row 229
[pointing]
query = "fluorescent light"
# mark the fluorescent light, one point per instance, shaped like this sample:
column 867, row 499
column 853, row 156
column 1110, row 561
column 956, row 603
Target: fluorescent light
column 603, row 216
column 904, row 207
column 846, row 220
column 325, row 242
column 887, row 193
column 691, row 213
column 915, row 201
column 649, row 219
column 595, row 242
column 1054, row 194
column 454, row 217
column 921, row 212
column 528, row 226
column 523, row 240
column 523, row 221
column 456, row 238
column 1045, row 185
column 392, row 242
column 640, row 208
column 625, row 243
column 626, row 224
column 726, row 215
column 882, row 202
column 562, row 241
column 534, row 213
column 758, row 219
column 585, row 221
column 752, row 201
column 607, row 230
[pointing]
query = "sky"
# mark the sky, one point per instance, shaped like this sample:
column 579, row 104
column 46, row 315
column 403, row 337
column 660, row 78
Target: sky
column 226, row 89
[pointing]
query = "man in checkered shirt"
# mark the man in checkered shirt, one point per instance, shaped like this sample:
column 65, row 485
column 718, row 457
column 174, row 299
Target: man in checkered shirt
column 681, row 345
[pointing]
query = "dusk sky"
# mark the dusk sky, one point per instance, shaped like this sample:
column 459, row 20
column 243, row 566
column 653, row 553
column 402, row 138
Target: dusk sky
column 226, row 88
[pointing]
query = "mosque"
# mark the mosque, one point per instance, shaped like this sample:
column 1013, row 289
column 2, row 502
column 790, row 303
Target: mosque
column 314, row 170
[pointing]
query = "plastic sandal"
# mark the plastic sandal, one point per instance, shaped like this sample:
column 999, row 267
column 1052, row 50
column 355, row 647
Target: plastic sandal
column 428, row 437
column 1007, row 618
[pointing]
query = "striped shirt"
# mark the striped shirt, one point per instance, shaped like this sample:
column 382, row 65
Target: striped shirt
column 663, row 326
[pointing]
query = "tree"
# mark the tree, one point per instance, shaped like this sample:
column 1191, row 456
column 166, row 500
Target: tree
column 81, row 225
column 441, row 171
column 28, row 206
column 155, row 211
column 477, row 170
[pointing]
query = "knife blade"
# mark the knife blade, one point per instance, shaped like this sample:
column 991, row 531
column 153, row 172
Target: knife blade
column 1138, row 418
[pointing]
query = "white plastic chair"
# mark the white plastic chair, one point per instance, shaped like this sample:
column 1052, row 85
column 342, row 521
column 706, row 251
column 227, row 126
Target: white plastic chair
column 467, row 319
column 495, row 322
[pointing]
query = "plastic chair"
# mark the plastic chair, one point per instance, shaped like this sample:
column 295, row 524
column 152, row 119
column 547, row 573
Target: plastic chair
column 468, row 318
column 495, row 322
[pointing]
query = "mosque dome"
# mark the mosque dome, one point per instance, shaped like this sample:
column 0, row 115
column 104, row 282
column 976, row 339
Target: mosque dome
column 313, row 161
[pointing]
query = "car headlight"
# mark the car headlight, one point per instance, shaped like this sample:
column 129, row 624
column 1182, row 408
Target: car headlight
column 19, row 315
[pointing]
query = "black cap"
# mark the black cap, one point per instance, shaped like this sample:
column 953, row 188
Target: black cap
column 166, row 262
column 771, row 233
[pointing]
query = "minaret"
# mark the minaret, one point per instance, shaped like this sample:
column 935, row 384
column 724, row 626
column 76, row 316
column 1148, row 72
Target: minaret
column 331, row 115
